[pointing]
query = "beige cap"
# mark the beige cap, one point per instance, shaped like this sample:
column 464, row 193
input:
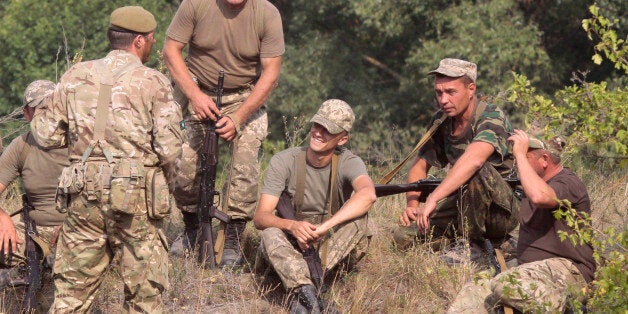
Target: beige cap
column 37, row 91
column 334, row 115
column 456, row 68
column 554, row 146
column 132, row 18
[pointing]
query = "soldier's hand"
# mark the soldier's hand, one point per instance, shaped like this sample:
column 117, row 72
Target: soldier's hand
column 204, row 106
column 225, row 128
column 8, row 236
column 423, row 215
column 304, row 232
column 520, row 142
column 408, row 216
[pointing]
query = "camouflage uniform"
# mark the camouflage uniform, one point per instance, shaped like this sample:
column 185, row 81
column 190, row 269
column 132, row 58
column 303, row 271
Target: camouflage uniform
column 485, row 205
column 244, row 166
column 120, row 205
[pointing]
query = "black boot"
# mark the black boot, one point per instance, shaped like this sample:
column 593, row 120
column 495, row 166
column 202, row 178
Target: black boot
column 305, row 301
column 190, row 232
column 232, row 253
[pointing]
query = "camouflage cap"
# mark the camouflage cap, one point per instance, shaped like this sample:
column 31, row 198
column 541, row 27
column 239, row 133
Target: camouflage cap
column 456, row 68
column 334, row 115
column 36, row 92
column 554, row 146
column 132, row 18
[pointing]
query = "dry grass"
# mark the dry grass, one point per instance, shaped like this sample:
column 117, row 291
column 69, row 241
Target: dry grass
column 385, row 281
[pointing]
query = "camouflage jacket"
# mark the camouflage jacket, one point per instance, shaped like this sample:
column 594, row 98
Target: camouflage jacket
column 489, row 125
column 142, row 122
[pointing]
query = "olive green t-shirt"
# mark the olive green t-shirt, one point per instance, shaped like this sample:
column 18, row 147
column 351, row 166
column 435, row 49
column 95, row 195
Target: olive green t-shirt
column 40, row 174
column 489, row 126
column 223, row 39
column 282, row 175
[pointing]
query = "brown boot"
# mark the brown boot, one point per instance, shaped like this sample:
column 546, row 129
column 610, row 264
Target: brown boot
column 232, row 256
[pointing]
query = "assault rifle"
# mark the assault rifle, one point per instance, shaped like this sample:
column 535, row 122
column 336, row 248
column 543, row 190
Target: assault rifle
column 210, row 197
column 34, row 258
column 286, row 210
column 426, row 186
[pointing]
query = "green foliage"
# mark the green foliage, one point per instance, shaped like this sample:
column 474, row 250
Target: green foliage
column 610, row 44
column 610, row 252
column 587, row 114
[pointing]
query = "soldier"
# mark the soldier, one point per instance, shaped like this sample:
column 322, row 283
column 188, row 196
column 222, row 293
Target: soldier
column 549, row 269
column 328, row 215
column 245, row 39
column 120, row 122
column 39, row 170
column 473, row 139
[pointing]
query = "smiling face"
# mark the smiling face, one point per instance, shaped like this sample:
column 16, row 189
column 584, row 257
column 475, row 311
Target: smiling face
column 454, row 94
column 322, row 142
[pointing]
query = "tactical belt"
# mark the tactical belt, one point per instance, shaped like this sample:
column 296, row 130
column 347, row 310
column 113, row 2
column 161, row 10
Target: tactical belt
column 227, row 91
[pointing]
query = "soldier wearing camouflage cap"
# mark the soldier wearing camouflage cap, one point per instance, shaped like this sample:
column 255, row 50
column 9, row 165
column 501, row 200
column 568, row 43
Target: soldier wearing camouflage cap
column 121, row 124
column 39, row 170
column 339, row 231
column 550, row 271
column 472, row 140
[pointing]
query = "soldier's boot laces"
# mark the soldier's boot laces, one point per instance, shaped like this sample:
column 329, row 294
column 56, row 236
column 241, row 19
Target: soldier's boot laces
column 190, row 232
column 305, row 301
column 232, row 256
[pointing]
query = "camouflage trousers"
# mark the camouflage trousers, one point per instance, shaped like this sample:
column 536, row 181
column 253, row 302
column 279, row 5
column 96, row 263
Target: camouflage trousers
column 484, row 207
column 47, row 234
column 347, row 243
column 537, row 287
column 90, row 237
column 241, row 191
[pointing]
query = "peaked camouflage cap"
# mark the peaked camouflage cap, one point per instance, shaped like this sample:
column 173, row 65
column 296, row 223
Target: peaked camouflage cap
column 132, row 18
column 554, row 146
column 456, row 68
column 37, row 91
column 335, row 115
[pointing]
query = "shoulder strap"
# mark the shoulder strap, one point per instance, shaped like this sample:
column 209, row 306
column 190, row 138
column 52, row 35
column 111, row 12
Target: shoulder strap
column 107, row 79
column 479, row 109
column 300, row 188
column 334, row 191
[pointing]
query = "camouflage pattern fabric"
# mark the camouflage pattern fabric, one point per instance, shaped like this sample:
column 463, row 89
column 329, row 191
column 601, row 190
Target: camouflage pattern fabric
column 487, row 208
column 142, row 129
column 241, row 191
column 489, row 126
column 537, row 287
column 347, row 243
column 90, row 236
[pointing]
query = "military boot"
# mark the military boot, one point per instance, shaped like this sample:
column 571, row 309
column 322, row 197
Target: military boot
column 190, row 231
column 305, row 301
column 232, row 253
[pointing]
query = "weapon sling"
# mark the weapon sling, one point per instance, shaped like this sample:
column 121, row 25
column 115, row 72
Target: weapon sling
column 386, row 179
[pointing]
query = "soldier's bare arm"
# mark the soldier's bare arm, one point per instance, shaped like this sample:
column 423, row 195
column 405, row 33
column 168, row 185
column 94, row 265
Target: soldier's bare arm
column 271, row 67
column 418, row 171
column 203, row 105
column 8, row 235
column 356, row 206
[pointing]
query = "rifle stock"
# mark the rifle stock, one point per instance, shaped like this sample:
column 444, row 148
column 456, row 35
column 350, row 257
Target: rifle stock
column 209, row 196
column 425, row 186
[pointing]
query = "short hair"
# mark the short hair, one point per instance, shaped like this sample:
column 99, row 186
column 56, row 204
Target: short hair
column 121, row 39
column 555, row 159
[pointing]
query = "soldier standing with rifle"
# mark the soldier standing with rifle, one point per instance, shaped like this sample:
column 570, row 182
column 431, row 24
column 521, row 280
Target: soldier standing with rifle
column 39, row 170
column 473, row 140
column 318, row 182
column 245, row 39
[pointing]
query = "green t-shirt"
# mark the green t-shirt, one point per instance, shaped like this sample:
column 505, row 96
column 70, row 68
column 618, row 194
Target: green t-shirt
column 40, row 172
column 490, row 126
column 282, row 175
